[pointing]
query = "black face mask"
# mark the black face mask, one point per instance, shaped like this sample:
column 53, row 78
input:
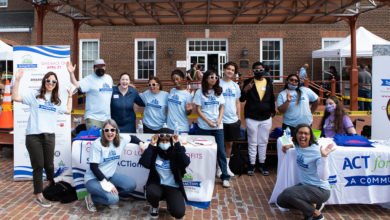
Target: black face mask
column 258, row 73
column 100, row 72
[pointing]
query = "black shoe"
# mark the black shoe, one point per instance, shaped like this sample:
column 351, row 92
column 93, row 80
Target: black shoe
column 154, row 212
column 263, row 169
column 251, row 170
column 320, row 206
column 320, row 217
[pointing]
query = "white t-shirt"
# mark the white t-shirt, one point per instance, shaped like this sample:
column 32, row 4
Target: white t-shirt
column 209, row 107
column 177, row 101
column 231, row 92
column 98, row 96
column 155, row 113
column 43, row 113
column 106, row 157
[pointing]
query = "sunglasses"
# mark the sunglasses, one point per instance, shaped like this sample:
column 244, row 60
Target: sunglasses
column 51, row 80
column 213, row 77
column 293, row 80
column 153, row 84
column 165, row 135
column 111, row 130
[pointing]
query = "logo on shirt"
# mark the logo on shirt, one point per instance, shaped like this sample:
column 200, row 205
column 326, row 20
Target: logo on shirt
column 229, row 92
column 295, row 96
column 111, row 156
column 174, row 99
column 154, row 104
column 47, row 106
column 163, row 164
column 212, row 101
column 301, row 162
column 105, row 88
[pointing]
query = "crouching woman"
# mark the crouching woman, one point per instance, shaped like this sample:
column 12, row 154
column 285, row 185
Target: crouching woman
column 104, row 185
column 310, row 195
column 167, row 160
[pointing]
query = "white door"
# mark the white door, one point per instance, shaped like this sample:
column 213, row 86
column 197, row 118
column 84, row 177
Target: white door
column 221, row 62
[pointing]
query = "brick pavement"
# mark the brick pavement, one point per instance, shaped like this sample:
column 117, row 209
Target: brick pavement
column 247, row 199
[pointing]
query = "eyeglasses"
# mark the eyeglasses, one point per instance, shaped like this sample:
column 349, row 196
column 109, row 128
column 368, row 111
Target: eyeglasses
column 153, row 84
column 165, row 135
column 112, row 130
column 51, row 80
column 293, row 80
column 213, row 77
column 303, row 133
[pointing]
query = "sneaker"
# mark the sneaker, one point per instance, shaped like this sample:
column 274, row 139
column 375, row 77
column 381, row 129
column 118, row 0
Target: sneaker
column 219, row 172
column 308, row 218
column 319, row 217
column 114, row 206
column 89, row 203
column 125, row 198
column 228, row 168
column 154, row 212
column 43, row 202
column 226, row 183
column 263, row 169
column 251, row 170
column 320, row 206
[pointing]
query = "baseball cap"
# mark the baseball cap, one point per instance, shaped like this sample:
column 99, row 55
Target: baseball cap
column 99, row 62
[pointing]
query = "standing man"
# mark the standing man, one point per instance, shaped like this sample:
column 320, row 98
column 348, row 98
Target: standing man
column 259, row 109
column 303, row 73
column 231, row 114
column 98, row 90
column 364, row 90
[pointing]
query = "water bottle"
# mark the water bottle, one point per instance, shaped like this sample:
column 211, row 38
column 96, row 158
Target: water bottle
column 176, row 131
column 140, row 129
column 288, row 132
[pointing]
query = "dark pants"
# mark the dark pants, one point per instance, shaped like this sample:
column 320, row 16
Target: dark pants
column 41, row 150
column 364, row 106
column 173, row 196
column 302, row 197
column 150, row 131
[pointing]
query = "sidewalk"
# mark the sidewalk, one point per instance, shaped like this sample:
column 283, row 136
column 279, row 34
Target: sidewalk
column 247, row 199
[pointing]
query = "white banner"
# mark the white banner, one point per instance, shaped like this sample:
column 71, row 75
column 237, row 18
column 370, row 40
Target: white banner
column 198, row 181
column 380, row 92
column 36, row 61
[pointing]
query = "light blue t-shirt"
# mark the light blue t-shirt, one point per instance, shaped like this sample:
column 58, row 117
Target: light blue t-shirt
column 297, row 114
column 98, row 92
column 308, row 160
column 177, row 101
column 209, row 107
column 106, row 157
column 302, row 73
column 231, row 92
column 155, row 114
column 163, row 169
column 43, row 113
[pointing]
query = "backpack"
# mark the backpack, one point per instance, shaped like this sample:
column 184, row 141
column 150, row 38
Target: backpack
column 60, row 191
column 239, row 162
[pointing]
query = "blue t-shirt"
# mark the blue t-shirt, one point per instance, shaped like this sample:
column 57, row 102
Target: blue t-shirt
column 308, row 160
column 297, row 114
column 98, row 91
column 231, row 92
column 163, row 169
column 177, row 101
column 43, row 113
column 209, row 107
column 106, row 157
column 155, row 113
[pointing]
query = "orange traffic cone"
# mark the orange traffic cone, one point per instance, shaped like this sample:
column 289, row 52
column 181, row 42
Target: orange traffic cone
column 6, row 117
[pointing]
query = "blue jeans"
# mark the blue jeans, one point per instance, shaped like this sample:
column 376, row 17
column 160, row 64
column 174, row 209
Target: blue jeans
column 364, row 106
column 124, row 184
column 221, row 154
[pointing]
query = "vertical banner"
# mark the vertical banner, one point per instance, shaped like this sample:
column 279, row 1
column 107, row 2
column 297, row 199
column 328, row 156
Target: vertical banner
column 380, row 116
column 36, row 61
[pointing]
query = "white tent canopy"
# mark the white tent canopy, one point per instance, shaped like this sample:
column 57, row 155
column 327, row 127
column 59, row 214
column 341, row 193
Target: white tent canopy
column 364, row 42
column 6, row 51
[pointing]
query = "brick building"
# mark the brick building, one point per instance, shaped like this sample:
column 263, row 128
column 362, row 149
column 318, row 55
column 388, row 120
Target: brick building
column 155, row 49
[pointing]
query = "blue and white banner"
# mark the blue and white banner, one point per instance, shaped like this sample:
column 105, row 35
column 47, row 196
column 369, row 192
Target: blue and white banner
column 36, row 61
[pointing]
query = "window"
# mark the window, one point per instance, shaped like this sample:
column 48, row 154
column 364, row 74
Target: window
column 207, row 45
column 271, row 54
column 88, row 54
column 145, row 58
column 3, row 3
column 328, row 62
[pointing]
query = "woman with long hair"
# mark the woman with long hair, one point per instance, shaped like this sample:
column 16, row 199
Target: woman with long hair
column 335, row 120
column 103, row 183
column 156, row 103
column 209, row 103
column 310, row 195
column 45, row 105
column 296, row 103
column 122, row 104
column 166, row 159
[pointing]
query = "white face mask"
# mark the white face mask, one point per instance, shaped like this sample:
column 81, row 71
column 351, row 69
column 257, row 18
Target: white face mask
column 292, row 87
column 164, row 146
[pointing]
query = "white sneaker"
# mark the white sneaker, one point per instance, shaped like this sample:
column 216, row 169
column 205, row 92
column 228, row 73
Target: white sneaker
column 90, row 205
column 228, row 168
column 114, row 206
column 226, row 183
column 43, row 202
column 219, row 172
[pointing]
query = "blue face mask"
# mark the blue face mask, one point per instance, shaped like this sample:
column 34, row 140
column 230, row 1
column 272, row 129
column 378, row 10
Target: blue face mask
column 291, row 87
column 330, row 108
column 164, row 146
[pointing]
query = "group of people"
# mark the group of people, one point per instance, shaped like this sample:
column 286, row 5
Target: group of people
column 217, row 103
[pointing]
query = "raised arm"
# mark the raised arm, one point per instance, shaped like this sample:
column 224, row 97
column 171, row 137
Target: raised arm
column 69, row 104
column 15, row 90
column 283, row 108
column 71, row 68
